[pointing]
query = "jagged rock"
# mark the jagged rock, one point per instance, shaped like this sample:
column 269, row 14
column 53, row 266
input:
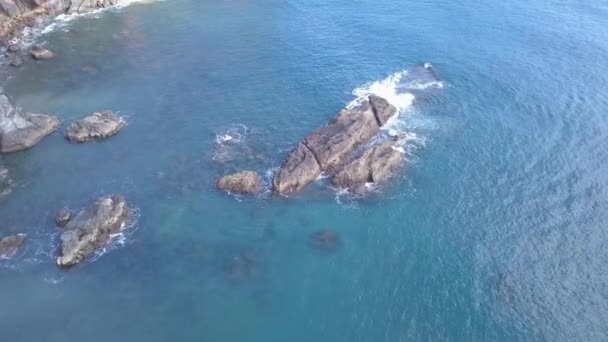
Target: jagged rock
column 91, row 229
column 299, row 169
column 94, row 127
column 20, row 130
column 81, row 6
column 10, row 244
column 330, row 147
column 40, row 53
column 375, row 165
column 15, row 61
column 324, row 240
column 62, row 217
column 245, row 182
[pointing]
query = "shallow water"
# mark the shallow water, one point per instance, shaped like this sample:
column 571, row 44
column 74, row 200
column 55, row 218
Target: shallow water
column 494, row 230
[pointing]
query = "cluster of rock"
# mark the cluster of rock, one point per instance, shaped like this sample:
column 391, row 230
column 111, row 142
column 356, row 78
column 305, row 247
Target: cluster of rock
column 10, row 245
column 334, row 150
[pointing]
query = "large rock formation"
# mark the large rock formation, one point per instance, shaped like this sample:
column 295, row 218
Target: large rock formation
column 13, row 8
column 375, row 165
column 91, row 229
column 21, row 130
column 94, row 127
column 10, row 244
column 329, row 148
column 244, row 182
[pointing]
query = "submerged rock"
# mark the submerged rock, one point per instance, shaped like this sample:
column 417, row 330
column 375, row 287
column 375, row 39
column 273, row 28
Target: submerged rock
column 91, row 229
column 6, row 183
column 15, row 61
column 94, row 127
column 10, row 244
column 20, row 130
column 245, row 266
column 330, row 147
column 40, row 53
column 244, row 182
column 324, row 240
column 62, row 217
column 375, row 165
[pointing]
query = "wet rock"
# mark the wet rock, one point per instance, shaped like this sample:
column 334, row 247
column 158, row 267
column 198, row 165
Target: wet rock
column 40, row 53
column 83, row 6
column 13, row 47
column 244, row 182
column 94, row 127
column 15, row 61
column 10, row 244
column 91, row 229
column 375, row 165
column 20, row 130
column 324, row 240
column 330, row 147
column 62, row 217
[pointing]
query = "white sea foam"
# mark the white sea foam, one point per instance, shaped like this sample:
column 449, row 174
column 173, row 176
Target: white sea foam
column 387, row 89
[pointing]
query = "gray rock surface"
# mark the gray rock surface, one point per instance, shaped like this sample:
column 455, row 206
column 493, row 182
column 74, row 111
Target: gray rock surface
column 244, row 182
column 41, row 54
column 62, row 217
column 15, row 60
column 6, row 183
column 376, row 165
column 21, row 130
column 91, row 229
column 94, row 127
column 330, row 147
column 10, row 245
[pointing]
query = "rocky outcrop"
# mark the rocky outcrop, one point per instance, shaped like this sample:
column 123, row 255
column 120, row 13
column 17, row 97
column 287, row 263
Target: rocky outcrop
column 10, row 245
column 244, row 182
column 94, row 127
column 91, row 229
column 21, row 130
column 375, row 165
column 329, row 148
column 14, row 8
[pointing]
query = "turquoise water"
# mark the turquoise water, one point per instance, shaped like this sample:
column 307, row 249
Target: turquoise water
column 494, row 230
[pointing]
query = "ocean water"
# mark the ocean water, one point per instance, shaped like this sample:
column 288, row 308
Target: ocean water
column 495, row 229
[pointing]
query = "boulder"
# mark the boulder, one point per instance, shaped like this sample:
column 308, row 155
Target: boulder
column 330, row 147
column 324, row 240
column 375, row 165
column 244, row 182
column 91, row 230
column 10, row 244
column 20, row 130
column 62, row 217
column 94, row 127
column 40, row 53
column 14, row 47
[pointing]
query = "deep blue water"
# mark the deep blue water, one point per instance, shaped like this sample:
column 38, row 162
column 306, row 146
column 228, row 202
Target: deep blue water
column 494, row 230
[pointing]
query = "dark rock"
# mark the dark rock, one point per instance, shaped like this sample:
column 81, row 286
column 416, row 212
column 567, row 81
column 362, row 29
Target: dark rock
column 13, row 47
column 62, row 217
column 94, row 127
column 244, row 182
column 376, row 165
column 330, row 147
column 91, row 229
column 324, row 240
column 40, row 53
column 20, row 130
column 298, row 170
column 10, row 244
column 15, row 61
